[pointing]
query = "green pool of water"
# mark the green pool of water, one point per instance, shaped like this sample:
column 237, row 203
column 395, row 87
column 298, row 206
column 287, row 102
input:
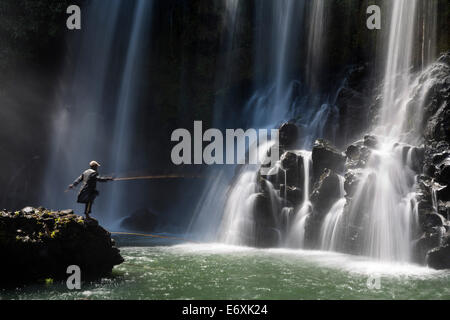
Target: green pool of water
column 214, row 271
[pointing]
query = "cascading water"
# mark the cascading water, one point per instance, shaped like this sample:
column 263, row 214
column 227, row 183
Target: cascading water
column 122, row 153
column 397, row 77
column 384, row 201
column 77, row 125
column 332, row 222
column 385, row 198
column 296, row 234
column 317, row 26
column 208, row 210
column 278, row 96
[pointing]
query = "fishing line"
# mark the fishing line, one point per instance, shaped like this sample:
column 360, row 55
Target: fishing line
column 152, row 236
column 170, row 176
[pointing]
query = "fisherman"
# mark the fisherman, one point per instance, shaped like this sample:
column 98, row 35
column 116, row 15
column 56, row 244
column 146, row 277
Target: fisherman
column 88, row 191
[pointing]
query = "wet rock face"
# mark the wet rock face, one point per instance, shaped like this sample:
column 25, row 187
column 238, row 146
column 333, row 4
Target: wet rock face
column 326, row 156
column 288, row 134
column 38, row 244
column 293, row 195
column 325, row 193
column 357, row 156
column 141, row 220
column 432, row 246
column 266, row 233
column 293, row 166
column 352, row 102
column 413, row 157
column 370, row 141
column 439, row 258
column 443, row 170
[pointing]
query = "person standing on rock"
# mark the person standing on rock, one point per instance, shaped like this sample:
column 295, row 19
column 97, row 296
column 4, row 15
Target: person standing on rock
column 88, row 191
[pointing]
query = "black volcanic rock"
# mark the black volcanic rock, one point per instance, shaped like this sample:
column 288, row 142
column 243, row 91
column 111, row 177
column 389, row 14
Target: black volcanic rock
column 292, row 163
column 439, row 258
column 288, row 134
column 266, row 235
column 326, row 156
column 141, row 220
column 37, row 244
column 370, row 141
column 325, row 194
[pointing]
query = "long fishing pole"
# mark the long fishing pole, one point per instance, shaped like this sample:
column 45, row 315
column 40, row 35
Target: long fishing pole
column 167, row 176
column 170, row 176
column 153, row 236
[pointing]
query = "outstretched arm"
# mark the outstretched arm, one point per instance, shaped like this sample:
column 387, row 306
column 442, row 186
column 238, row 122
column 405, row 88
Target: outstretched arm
column 104, row 179
column 76, row 182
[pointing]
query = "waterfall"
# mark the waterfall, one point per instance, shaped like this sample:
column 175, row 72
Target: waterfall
column 280, row 93
column 96, row 105
column 122, row 154
column 397, row 78
column 428, row 28
column 77, row 125
column 296, row 234
column 278, row 38
column 208, row 211
column 385, row 198
column 332, row 222
column 317, row 27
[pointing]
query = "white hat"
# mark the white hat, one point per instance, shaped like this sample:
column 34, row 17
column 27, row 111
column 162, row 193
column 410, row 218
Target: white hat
column 94, row 164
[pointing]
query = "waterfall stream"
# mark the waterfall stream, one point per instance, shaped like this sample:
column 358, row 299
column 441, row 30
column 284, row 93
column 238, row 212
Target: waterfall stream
column 385, row 198
column 332, row 222
column 296, row 234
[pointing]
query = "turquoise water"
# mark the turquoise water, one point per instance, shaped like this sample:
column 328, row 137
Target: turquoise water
column 215, row 271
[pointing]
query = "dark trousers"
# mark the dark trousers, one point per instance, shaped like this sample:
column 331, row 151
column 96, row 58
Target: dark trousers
column 88, row 208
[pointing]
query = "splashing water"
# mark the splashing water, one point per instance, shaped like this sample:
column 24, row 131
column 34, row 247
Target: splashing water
column 296, row 235
column 332, row 223
column 278, row 96
column 386, row 194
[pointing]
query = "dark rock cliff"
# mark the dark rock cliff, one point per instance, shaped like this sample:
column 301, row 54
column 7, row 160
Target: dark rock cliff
column 38, row 244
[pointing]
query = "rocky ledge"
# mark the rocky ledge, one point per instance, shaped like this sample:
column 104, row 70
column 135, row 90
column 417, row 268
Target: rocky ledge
column 39, row 244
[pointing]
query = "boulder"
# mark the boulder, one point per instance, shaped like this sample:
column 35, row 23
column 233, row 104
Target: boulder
column 292, row 164
column 326, row 192
column 370, row 141
column 431, row 220
column 424, row 244
column 38, row 244
column 443, row 171
column 357, row 156
column 266, row 234
column 439, row 258
column 288, row 134
column 142, row 220
column 445, row 58
column 292, row 194
column 413, row 157
column 326, row 156
column 443, row 193
column 352, row 179
column 352, row 103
